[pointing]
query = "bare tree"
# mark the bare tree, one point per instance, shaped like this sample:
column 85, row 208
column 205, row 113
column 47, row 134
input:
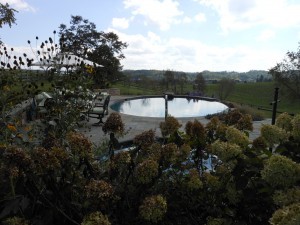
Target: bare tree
column 182, row 78
column 169, row 78
column 286, row 75
column 199, row 83
column 225, row 88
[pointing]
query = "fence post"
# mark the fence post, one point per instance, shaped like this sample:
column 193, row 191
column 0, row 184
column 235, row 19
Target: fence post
column 274, row 103
column 166, row 106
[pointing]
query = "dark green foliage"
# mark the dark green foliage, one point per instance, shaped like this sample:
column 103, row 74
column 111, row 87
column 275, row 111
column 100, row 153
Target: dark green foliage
column 200, row 83
column 169, row 79
column 225, row 88
column 62, row 182
column 105, row 49
column 7, row 16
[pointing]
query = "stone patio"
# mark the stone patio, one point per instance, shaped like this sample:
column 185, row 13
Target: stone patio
column 135, row 125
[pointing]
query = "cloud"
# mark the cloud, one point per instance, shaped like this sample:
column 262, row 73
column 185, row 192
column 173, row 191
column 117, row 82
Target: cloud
column 121, row 23
column 187, row 20
column 200, row 17
column 153, row 52
column 162, row 13
column 239, row 15
column 19, row 5
column 266, row 35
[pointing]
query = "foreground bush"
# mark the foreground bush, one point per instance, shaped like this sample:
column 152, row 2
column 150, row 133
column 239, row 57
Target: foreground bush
column 155, row 182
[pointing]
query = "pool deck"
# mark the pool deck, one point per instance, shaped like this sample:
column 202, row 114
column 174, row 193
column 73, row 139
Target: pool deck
column 135, row 125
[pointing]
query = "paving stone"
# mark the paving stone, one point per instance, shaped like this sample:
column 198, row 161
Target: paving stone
column 135, row 125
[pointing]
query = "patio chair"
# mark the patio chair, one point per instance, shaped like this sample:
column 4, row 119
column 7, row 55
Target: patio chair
column 99, row 111
column 44, row 103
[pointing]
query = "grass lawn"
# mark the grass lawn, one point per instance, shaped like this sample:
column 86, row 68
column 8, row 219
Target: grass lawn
column 258, row 95
column 136, row 90
column 249, row 94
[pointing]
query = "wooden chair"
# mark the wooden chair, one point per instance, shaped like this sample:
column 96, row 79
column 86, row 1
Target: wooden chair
column 99, row 111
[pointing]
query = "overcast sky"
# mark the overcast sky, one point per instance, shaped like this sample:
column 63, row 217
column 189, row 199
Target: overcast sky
column 181, row 35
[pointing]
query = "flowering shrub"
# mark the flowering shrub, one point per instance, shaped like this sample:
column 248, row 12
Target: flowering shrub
column 16, row 157
column 287, row 197
column 99, row 190
column 281, row 172
column 217, row 221
column 215, row 130
column 113, row 124
column 195, row 129
column 245, row 123
column 145, row 139
column 232, row 194
column 193, row 180
column 233, row 117
column 296, row 127
column 239, row 175
column 15, row 221
column 169, row 153
column 183, row 152
column 289, row 215
column 196, row 132
column 235, row 136
column 212, row 182
column 121, row 160
column 80, row 145
column 169, row 126
column 284, row 121
column 95, row 218
column 154, row 152
column 273, row 134
column 153, row 208
column 226, row 152
column 45, row 161
column 146, row 171
column 259, row 143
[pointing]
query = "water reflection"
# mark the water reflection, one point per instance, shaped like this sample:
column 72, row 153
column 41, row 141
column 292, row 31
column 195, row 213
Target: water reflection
column 178, row 107
column 145, row 102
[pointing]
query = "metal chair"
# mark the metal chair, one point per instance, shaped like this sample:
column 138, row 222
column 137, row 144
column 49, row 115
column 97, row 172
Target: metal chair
column 99, row 111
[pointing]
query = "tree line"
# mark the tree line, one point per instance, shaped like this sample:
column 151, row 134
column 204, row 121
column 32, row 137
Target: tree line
column 250, row 76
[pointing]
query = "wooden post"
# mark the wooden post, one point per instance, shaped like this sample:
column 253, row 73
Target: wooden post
column 274, row 103
column 166, row 106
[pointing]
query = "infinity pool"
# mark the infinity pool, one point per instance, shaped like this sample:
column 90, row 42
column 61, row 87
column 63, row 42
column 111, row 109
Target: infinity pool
column 177, row 107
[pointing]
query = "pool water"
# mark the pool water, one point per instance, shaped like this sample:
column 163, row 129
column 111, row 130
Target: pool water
column 177, row 107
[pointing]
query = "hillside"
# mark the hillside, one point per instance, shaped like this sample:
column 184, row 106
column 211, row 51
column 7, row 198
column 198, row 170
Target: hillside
column 251, row 75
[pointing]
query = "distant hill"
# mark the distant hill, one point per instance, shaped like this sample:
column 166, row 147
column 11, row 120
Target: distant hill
column 251, row 75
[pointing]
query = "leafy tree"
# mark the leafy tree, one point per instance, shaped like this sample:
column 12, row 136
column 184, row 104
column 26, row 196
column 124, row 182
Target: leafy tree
column 169, row 78
column 225, row 88
column 182, row 78
column 83, row 39
column 7, row 16
column 199, row 83
column 287, row 75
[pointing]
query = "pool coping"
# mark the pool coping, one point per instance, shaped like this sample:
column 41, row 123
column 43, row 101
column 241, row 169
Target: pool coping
column 135, row 125
column 123, row 99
